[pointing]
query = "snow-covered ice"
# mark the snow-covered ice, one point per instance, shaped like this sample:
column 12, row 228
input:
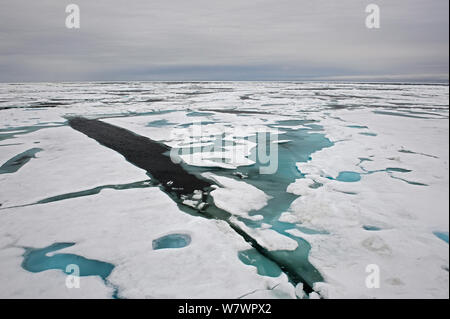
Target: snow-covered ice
column 376, row 194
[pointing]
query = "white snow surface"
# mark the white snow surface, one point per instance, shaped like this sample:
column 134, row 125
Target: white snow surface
column 118, row 227
column 410, row 128
column 413, row 261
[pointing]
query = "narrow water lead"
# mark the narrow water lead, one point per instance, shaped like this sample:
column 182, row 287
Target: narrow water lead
column 143, row 153
column 151, row 156
column 301, row 143
column 87, row 192
column 18, row 161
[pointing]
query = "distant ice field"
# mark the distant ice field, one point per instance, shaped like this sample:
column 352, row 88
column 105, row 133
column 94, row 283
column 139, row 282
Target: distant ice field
column 360, row 179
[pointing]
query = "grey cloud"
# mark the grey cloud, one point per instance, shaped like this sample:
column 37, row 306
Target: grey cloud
column 223, row 40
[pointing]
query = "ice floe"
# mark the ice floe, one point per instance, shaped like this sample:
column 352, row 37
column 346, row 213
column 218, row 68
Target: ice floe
column 376, row 194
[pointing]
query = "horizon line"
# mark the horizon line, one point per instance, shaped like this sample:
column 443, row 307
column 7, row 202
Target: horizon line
column 416, row 82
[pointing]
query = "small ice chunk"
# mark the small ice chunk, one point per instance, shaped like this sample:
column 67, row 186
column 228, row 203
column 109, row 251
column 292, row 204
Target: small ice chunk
column 314, row 295
column 240, row 175
column 191, row 203
column 299, row 290
column 197, row 194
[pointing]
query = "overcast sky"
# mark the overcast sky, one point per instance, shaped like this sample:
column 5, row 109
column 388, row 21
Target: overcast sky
column 223, row 40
